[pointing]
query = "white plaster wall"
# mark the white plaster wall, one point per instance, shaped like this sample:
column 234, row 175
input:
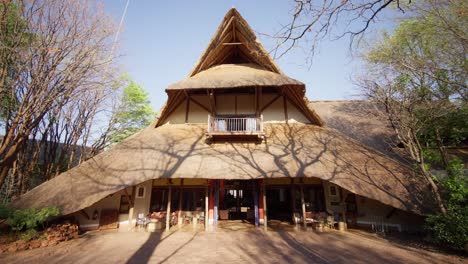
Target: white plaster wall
column 275, row 112
column 110, row 202
column 294, row 115
column 197, row 114
column 372, row 212
column 178, row 115
column 226, row 105
column 142, row 204
column 245, row 104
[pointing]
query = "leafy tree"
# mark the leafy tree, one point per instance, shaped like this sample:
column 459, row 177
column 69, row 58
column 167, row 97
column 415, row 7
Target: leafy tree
column 134, row 112
column 452, row 228
column 67, row 57
column 418, row 74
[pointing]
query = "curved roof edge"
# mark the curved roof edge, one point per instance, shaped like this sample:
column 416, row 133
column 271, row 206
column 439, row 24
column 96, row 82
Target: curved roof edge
column 179, row 151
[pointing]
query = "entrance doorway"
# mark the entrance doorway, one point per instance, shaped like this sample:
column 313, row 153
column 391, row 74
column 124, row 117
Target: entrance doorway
column 237, row 200
column 279, row 203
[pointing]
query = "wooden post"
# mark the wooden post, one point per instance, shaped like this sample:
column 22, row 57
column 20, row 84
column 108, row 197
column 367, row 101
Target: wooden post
column 285, row 105
column 254, row 185
column 293, row 201
column 179, row 213
column 206, row 208
column 132, row 208
column 303, row 206
column 265, row 218
column 216, row 202
column 187, row 107
column 168, row 209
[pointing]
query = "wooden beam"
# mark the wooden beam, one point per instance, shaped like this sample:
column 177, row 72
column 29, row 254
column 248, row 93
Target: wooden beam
column 129, row 198
column 271, row 102
column 235, row 104
column 260, row 100
column 187, row 107
column 85, row 214
column 232, row 43
column 199, row 104
column 285, row 106
column 212, row 100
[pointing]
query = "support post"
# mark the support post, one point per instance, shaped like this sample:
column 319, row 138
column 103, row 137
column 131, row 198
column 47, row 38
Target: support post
column 265, row 219
column 211, row 202
column 216, row 202
column 254, row 186
column 206, row 208
column 132, row 209
column 303, row 206
column 293, row 201
column 179, row 213
column 168, row 209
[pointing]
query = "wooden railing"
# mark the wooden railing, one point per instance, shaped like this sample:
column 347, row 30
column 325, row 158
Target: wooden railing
column 235, row 124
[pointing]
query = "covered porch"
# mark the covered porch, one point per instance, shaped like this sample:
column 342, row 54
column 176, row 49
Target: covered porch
column 162, row 204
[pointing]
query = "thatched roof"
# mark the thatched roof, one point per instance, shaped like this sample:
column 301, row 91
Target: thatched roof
column 234, row 76
column 360, row 120
column 234, row 41
column 180, row 151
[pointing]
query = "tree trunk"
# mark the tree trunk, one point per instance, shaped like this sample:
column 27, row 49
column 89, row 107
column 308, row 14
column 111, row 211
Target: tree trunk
column 442, row 150
column 434, row 187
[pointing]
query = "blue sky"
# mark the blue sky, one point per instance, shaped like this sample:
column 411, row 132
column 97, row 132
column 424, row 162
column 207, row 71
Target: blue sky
column 161, row 41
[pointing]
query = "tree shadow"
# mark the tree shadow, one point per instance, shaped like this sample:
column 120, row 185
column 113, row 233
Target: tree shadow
column 144, row 253
column 290, row 150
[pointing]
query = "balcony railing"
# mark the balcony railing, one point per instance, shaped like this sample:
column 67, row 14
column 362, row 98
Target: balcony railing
column 235, row 125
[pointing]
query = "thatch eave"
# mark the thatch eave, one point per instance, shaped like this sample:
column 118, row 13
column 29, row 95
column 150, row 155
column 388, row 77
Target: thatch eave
column 228, row 76
column 180, row 151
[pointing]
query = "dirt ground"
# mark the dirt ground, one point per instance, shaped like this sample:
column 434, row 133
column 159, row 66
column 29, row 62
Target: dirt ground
column 228, row 245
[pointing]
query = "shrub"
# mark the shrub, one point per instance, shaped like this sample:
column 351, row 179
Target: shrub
column 26, row 219
column 29, row 234
column 452, row 228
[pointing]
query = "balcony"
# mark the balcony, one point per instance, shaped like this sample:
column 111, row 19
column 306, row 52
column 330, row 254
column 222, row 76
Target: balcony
column 235, row 126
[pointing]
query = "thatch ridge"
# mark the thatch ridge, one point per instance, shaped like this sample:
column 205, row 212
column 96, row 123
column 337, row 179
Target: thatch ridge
column 232, row 24
column 180, row 151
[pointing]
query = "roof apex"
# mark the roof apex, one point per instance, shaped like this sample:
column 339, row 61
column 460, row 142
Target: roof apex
column 234, row 37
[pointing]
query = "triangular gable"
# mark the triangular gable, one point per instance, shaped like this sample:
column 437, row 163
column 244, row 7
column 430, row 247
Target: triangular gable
column 234, row 42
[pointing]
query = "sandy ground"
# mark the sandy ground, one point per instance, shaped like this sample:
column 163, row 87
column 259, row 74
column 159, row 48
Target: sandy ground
column 228, row 246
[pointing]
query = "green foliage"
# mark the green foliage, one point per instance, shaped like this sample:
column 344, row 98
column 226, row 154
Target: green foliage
column 452, row 228
column 14, row 35
column 27, row 219
column 134, row 113
column 29, row 234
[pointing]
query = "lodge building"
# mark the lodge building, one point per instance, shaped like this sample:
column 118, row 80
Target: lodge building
column 238, row 140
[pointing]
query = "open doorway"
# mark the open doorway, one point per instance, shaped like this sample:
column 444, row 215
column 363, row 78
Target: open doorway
column 237, row 200
column 279, row 203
